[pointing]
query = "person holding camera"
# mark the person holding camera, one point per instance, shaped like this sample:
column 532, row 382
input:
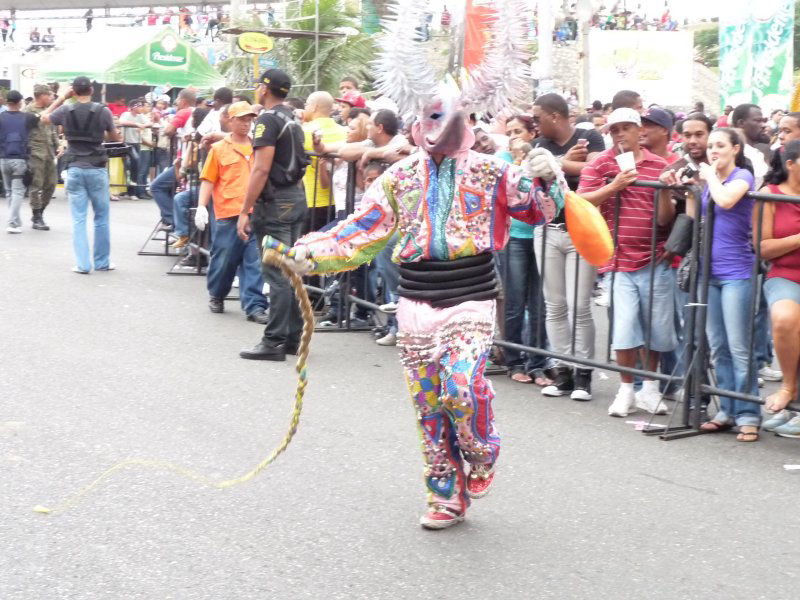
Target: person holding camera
column 277, row 198
column 694, row 136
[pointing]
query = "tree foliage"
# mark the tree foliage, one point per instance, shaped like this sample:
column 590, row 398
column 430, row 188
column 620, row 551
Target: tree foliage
column 706, row 42
column 706, row 45
column 337, row 57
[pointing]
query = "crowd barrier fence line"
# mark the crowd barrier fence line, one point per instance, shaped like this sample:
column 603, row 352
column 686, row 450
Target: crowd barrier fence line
column 693, row 353
column 686, row 419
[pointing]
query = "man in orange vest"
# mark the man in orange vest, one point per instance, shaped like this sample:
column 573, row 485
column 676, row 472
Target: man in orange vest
column 225, row 176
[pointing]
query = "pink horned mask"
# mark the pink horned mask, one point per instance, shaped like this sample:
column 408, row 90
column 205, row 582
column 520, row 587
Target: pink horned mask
column 442, row 126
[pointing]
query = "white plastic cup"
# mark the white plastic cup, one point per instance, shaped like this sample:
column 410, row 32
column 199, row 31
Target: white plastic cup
column 626, row 161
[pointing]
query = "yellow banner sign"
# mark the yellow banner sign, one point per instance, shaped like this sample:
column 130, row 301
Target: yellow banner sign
column 254, row 42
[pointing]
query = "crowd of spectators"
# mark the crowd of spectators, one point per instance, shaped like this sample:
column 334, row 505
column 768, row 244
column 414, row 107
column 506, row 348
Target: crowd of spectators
column 618, row 18
column 193, row 157
column 719, row 161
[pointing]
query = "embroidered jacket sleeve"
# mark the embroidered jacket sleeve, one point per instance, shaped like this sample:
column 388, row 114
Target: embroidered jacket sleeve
column 358, row 238
column 523, row 198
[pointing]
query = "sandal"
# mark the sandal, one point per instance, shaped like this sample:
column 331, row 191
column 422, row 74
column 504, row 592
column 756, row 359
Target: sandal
column 541, row 379
column 519, row 375
column 747, row 436
column 774, row 405
column 715, row 427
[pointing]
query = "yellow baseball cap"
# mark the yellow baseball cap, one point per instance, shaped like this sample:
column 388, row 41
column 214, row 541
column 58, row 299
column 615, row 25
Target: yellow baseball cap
column 241, row 109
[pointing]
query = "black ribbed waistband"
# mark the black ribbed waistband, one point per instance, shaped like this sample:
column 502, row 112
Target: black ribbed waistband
column 444, row 283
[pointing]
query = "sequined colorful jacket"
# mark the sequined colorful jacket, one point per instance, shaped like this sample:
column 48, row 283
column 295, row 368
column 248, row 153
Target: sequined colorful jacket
column 460, row 208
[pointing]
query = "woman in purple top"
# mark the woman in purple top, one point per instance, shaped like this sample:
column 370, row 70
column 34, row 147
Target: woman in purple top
column 731, row 286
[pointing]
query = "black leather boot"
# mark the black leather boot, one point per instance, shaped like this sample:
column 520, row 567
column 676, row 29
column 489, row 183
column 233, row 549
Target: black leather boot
column 38, row 221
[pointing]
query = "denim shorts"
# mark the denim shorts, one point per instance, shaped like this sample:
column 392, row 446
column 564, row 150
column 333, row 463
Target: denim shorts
column 631, row 293
column 778, row 288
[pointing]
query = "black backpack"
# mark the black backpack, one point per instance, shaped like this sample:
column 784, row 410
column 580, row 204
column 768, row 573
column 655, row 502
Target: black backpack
column 283, row 176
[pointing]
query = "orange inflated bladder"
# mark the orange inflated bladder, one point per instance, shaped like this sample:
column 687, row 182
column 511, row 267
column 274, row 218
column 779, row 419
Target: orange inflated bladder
column 588, row 230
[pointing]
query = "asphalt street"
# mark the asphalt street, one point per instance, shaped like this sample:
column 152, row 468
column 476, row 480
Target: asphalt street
column 130, row 363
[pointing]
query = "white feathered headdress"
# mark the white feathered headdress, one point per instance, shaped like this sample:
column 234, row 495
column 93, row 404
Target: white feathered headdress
column 405, row 75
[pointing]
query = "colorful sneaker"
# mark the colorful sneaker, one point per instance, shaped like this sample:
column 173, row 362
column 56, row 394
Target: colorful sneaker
column 779, row 418
column 790, row 429
column 623, row 404
column 652, row 402
column 440, row 516
column 479, row 482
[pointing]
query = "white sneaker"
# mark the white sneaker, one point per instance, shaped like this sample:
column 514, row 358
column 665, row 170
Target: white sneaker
column 769, row 374
column 623, row 404
column 13, row 229
column 602, row 300
column 390, row 339
column 652, row 402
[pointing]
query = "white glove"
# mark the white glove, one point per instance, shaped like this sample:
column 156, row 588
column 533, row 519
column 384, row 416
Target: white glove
column 539, row 163
column 201, row 217
column 301, row 263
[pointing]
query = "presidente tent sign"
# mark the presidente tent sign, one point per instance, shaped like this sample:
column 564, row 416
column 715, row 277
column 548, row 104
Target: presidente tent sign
column 166, row 51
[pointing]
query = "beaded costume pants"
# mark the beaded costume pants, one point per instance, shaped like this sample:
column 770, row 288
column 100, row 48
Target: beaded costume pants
column 444, row 352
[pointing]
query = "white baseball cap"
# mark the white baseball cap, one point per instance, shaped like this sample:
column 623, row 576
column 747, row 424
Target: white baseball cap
column 623, row 115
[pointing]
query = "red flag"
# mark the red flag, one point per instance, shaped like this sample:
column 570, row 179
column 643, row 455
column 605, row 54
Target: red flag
column 476, row 31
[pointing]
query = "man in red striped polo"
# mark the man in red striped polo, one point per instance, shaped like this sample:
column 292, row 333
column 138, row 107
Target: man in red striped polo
column 637, row 332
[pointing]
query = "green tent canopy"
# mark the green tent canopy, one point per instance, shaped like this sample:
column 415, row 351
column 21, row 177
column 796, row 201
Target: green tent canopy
column 163, row 60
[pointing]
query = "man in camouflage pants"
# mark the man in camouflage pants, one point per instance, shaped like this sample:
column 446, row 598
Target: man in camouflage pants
column 42, row 143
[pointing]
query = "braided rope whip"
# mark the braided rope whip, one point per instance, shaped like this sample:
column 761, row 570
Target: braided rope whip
column 275, row 253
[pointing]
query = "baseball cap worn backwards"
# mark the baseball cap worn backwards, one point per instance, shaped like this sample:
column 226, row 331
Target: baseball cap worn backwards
column 276, row 79
column 81, row 82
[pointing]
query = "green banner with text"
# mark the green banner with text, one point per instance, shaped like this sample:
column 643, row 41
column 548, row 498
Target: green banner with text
column 756, row 54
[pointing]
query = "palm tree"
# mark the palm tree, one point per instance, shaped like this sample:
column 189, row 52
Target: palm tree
column 337, row 57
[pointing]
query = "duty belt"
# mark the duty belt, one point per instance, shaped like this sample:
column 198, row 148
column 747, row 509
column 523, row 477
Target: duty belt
column 445, row 283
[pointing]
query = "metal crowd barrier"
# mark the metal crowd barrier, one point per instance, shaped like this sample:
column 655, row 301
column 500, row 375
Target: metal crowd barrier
column 698, row 380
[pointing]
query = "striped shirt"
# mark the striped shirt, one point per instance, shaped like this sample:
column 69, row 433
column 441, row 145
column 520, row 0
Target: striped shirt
column 635, row 211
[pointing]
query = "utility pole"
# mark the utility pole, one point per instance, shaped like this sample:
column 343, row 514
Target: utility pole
column 316, row 44
column 584, row 13
column 544, row 62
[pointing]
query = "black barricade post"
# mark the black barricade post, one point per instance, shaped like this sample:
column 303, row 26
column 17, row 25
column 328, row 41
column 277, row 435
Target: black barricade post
column 154, row 234
column 342, row 282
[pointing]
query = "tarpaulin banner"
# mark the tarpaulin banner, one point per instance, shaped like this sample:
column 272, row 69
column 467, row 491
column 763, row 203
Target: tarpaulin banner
column 657, row 64
column 756, row 53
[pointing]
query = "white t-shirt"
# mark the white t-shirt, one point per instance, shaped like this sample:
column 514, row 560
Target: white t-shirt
column 210, row 124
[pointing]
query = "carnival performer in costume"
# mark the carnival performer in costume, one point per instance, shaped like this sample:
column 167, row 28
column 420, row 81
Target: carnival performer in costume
column 451, row 208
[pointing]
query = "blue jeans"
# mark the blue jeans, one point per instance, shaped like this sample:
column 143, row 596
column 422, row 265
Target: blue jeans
column 674, row 362
column 13, row 169
column 229, row 253
column 631, row 303
column 729, row 339
column 145, row 162
column 132, row 162
column 390, row 273
column 763, row 331
column 163, row 190
column 162, row 160
column 84, row 186
column 523, row 293
column 180, row 215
